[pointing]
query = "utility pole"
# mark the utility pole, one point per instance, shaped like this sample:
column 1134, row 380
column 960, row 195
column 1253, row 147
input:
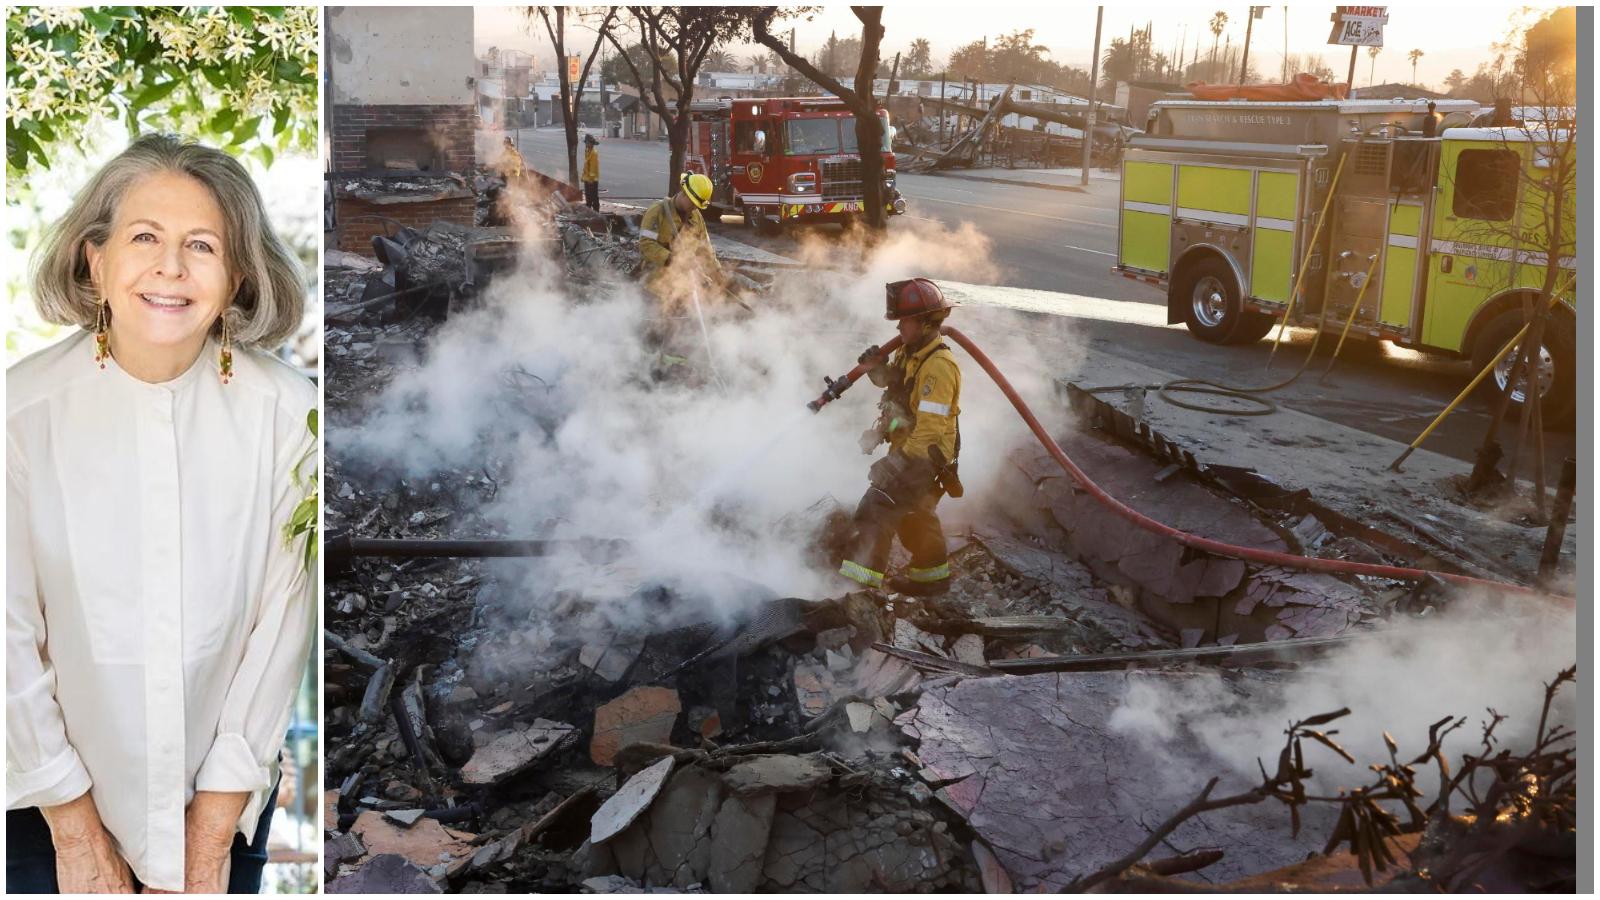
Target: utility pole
column 1350, row 79
column 1249, row 23
column 943, row 112
column 1286, row 72
column 1094, row 87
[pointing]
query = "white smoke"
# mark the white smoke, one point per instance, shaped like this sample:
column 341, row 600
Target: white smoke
column 549, row 385
column 1482, row 655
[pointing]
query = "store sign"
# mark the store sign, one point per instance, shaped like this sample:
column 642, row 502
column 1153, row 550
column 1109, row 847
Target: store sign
column 572, row 69
column 1359, row 26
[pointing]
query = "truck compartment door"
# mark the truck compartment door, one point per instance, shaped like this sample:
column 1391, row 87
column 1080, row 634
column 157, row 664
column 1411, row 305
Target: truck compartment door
column 1146, row 239
column 1400, row 267
column 1272, row 256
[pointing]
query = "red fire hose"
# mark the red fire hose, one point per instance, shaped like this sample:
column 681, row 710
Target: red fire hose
column 1218, row 548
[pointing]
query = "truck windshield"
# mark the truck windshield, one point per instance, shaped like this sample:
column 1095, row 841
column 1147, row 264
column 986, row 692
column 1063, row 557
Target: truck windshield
column 811, row 136
column 833, row 135
column 848, row 127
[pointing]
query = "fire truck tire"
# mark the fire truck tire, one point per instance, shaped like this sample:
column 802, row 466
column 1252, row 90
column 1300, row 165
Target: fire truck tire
column 1209, row 298
column 1556, row 362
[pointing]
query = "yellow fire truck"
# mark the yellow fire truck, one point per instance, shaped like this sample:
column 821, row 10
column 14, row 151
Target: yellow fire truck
column 1222, row 202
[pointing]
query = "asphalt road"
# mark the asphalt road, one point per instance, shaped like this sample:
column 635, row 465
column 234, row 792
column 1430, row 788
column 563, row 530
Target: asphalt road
column 1065, row 241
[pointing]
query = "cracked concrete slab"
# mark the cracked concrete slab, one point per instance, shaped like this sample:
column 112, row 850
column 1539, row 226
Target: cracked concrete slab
column 739, row 843
column 425, row 844
column 1047, row 779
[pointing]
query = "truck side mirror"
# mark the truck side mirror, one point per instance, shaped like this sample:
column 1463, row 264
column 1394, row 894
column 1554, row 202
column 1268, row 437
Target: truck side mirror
column 760, row 142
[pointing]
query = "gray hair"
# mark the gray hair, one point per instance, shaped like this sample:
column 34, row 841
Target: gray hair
column 270, row 301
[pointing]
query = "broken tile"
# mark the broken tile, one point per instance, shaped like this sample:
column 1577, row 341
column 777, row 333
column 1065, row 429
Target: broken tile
column 968, row 648
column 427, row 843
column 776, row 774
column 330, row 810
column 619, row 811
column 386, row 874
column 514, row 751
column 642, row 715
column 405, row 818
column 813, row 688
column 739, row 843
column 909, row 637
column 860, row 716
column 878, row 674
column 610, row 659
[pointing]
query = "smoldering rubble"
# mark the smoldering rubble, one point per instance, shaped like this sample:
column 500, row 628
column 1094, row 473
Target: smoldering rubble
column 631, row 668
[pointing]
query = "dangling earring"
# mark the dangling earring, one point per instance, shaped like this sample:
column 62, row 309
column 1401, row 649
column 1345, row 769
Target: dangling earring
column 227, row 351
column 102, row 333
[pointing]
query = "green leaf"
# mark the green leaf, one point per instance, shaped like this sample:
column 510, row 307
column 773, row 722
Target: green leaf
column 311, row 421
column 265, row 154
column 247, row 129
column 244, row 16
column 98, row 19
column 154, row 94
column 223, row 120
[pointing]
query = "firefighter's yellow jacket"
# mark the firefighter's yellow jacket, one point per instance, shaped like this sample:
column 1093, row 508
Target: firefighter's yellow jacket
column 511, row 164
column 663, row 235
column 591, row 165
column 931, row 384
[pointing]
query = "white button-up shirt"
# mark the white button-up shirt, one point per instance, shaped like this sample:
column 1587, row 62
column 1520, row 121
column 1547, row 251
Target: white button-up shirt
column 157, row 619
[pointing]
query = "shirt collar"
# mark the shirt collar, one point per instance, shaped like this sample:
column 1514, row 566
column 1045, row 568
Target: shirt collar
column 206, row 360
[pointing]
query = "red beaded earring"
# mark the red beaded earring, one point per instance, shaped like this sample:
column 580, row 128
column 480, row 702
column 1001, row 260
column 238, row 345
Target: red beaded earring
column 102, row 335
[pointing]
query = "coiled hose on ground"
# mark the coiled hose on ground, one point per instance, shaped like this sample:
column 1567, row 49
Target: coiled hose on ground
column 1218, row 548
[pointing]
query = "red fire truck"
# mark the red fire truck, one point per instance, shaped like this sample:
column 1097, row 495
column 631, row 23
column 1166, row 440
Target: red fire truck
column 778, row 160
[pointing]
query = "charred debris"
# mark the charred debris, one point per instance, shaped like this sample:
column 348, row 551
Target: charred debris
column 479, row 743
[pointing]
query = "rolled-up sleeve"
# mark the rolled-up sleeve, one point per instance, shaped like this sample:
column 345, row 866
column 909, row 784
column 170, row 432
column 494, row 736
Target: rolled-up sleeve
column 256, row 710
column 42, row 768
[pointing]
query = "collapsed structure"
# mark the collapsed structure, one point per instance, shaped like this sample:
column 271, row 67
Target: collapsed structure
column 566, row 719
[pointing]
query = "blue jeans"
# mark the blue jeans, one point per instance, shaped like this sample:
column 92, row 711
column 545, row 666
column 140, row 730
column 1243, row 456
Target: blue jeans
column 31, row 856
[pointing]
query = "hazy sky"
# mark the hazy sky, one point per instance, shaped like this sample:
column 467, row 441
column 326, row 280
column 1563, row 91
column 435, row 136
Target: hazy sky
column 1451, row 37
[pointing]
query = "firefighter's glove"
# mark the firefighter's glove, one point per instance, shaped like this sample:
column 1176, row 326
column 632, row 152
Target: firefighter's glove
column 945, row 472
column 871, row 354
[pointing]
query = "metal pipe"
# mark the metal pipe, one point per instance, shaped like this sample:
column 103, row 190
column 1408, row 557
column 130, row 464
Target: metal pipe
column 342, row 547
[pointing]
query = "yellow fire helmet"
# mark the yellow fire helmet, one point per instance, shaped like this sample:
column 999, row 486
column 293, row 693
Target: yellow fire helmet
column 698, row 187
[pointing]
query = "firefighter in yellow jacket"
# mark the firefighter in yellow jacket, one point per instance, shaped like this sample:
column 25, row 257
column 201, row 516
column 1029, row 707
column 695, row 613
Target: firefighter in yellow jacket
column 919, row 417
column 591, row 173
column 674, row 248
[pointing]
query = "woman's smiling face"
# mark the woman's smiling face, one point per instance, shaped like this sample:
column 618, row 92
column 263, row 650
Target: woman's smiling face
column 164, row 268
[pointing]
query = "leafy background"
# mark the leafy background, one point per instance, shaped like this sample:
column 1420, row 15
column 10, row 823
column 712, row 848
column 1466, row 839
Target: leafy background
column 82, row 81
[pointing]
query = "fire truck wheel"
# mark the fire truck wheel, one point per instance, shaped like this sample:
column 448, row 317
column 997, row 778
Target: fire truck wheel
column 760, row 224
column 1555, row 365
column 1210, row 301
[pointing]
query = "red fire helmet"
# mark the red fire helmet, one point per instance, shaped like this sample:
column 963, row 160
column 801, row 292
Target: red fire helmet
column 913, row 297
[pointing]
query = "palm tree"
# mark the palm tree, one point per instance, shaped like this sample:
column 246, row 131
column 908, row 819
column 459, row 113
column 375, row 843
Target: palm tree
column 1218, row 22
column 1414, row 56
column 1372, row 54
column 719, row 60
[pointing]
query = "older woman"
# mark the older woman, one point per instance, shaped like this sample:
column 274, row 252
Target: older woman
column 157, row 618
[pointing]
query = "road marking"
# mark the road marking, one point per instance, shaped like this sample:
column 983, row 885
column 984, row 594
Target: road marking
column 1017, row 212
column 1087, row 250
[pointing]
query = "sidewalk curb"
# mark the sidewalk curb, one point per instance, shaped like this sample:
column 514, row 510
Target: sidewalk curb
column 1073, row 188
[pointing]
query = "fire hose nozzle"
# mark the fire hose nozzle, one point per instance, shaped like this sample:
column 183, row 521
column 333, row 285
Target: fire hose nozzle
column 835, row 390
